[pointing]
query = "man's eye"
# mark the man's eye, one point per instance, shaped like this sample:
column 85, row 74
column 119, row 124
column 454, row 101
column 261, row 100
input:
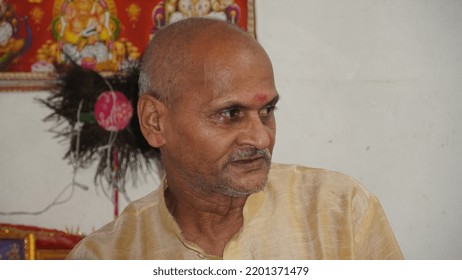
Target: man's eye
column 230, row 113
column 268, row 110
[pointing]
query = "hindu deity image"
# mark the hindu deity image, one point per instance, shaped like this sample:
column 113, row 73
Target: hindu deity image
column 86, row 32
column 169, row 11
column 11, row 42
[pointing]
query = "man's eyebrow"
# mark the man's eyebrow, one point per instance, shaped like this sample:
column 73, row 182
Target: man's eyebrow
column 275, row 99
column 237, row 104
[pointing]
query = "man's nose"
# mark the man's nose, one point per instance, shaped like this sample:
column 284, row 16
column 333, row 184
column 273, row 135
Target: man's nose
column 256, row 133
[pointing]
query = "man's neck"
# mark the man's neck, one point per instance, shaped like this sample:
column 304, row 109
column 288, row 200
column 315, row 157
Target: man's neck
column 209, row 220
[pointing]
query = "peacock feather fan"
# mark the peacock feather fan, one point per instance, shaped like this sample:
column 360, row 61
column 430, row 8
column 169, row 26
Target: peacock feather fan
column 72, row 101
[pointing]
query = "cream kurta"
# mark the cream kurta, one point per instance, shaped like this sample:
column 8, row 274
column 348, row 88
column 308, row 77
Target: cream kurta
column 303, row 213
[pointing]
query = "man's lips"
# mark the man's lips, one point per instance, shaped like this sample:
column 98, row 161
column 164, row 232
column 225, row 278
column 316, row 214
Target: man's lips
column 252, row 159
column 248, row 159
column 253, row 163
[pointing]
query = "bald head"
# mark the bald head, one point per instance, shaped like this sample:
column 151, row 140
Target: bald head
column 178, row 51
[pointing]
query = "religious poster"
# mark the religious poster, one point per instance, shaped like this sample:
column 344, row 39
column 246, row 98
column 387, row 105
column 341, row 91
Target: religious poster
column 103, row 35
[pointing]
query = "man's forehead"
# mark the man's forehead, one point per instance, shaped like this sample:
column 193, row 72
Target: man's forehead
column 261, row 97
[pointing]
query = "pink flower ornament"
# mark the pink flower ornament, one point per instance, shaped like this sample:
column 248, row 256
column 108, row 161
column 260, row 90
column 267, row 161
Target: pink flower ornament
column 113, row 111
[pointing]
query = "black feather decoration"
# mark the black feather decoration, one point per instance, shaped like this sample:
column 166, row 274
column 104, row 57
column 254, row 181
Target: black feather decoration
column 79, row 87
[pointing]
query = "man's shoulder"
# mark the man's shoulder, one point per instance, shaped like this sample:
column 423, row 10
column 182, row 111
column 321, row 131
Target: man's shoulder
column 136, row 210
column 282, row 169
column 332, row 205
column 316, row 180
column 117, row 233
column 147, row 202
column 326, row 190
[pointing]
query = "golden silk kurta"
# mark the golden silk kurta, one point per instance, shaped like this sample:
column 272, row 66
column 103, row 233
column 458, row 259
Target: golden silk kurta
column 303, row 213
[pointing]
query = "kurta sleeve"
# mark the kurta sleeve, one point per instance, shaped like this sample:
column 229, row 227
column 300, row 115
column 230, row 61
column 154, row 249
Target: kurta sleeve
column 374, row 238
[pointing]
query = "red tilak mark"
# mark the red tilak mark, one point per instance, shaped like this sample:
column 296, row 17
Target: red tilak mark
column 260, row 98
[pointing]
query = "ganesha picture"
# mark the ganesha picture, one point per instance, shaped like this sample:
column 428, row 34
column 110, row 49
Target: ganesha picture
column 86, row 32
column 37, row 37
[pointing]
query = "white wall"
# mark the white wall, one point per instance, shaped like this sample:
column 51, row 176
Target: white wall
column 370, row 88
column 33, row 173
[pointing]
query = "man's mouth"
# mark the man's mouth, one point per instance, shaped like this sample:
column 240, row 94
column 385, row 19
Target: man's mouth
column 249, row 160
column 250, row 155
column 251, row 164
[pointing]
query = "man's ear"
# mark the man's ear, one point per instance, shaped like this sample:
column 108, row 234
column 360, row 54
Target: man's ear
column 150, row 114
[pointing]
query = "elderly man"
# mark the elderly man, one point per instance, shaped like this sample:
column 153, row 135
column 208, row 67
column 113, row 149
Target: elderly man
column 207, row 103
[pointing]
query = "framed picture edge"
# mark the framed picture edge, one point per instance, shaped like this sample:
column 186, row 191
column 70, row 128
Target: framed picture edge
column 44, row 81
column 28, row 239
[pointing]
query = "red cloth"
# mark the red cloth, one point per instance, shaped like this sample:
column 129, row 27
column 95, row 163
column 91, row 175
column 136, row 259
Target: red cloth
column 47, row 238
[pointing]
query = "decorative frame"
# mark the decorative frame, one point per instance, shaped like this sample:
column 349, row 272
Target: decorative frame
column 52, row 254
column 15, row 245
column 35, row 35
